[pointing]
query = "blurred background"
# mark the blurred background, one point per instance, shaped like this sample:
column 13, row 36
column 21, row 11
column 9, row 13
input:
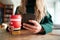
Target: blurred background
column 53, row 7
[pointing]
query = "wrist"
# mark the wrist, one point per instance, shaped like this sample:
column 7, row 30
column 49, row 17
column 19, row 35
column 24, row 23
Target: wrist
column 42, row 31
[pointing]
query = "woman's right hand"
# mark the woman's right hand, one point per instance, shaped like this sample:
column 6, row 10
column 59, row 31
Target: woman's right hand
column 9, row 29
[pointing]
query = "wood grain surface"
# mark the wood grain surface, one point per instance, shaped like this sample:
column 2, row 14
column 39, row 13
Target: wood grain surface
column 27, row 35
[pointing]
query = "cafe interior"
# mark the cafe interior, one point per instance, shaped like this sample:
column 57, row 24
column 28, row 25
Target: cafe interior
column 8, row 8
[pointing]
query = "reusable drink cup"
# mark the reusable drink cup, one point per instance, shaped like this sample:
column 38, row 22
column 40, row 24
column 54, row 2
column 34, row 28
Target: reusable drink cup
column 15, row 22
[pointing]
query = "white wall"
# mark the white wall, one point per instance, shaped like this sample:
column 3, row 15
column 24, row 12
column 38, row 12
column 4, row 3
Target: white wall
column 57, row 13
column 53, row 6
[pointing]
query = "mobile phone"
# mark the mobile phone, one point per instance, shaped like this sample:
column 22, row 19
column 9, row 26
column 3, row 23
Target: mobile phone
column 27, row 17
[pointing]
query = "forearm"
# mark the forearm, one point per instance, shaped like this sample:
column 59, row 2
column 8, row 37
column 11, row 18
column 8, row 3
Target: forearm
column 47, row 27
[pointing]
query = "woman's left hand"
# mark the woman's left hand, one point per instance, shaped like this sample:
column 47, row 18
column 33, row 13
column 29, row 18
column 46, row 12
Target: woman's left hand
column 34, row 28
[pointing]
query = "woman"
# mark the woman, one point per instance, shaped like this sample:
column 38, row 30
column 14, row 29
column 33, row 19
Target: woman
column 43, row 23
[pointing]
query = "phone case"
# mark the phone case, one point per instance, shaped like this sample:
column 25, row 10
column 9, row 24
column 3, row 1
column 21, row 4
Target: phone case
column 27, row 17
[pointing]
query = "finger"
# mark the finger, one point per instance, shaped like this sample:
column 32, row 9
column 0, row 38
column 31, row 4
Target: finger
column 29, row 29
column 34, row 22
column 32, row 30
column 29, row 26
column 10, row 28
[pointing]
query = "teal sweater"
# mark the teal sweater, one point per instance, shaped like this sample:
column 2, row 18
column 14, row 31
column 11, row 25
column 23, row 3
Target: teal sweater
column 46, row 23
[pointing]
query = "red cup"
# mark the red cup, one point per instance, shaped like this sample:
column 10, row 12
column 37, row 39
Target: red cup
column 15, row 22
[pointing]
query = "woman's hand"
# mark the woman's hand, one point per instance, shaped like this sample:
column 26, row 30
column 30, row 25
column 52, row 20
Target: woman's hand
column 34, row 28
column 10, row 29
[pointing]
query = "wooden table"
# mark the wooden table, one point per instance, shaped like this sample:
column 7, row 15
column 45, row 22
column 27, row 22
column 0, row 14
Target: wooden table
column 26, row 35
